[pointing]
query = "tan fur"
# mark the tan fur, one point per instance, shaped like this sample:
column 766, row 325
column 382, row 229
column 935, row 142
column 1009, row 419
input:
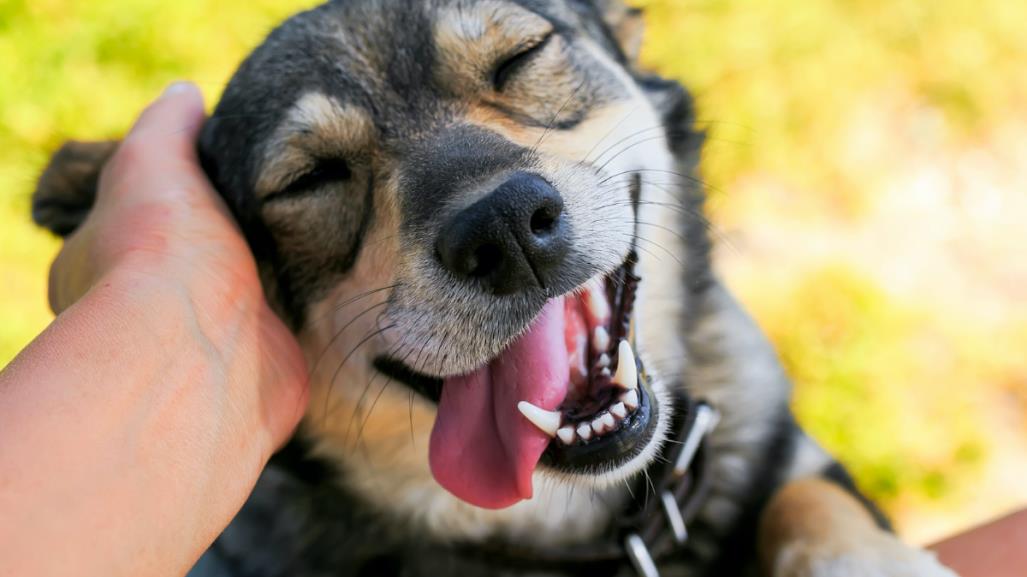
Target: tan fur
column 491, row 119
column 812, row 527
column 472, row 37
column 811, row 510
column 317, row 127
column 627, row 24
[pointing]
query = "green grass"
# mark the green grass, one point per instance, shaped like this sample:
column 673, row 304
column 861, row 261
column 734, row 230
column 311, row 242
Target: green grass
column 782, row 87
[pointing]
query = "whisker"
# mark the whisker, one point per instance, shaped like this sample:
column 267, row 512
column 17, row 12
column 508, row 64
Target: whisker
column 339, row 333
column 552, row 120
column 608, row 133
column 688, row 177
column 358, row 408
column 335, row 375
column 337, row 307
column 667, row 132
column 627, row 148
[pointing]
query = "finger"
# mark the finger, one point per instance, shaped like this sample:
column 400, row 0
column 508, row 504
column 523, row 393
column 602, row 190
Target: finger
column 158, row 156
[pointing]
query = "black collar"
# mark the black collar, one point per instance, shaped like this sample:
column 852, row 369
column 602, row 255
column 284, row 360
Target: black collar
column 655, row 523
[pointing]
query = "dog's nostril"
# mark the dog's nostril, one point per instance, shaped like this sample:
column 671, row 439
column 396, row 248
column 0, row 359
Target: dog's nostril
column 543, row 221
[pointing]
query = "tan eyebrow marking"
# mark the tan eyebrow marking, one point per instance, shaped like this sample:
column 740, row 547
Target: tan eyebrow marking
column 470, row 38
column 317, row 126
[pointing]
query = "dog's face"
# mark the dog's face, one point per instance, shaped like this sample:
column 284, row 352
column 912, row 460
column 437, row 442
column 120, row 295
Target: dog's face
column 451, row 200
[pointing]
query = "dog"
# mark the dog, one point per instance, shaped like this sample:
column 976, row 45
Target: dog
column 483, row 221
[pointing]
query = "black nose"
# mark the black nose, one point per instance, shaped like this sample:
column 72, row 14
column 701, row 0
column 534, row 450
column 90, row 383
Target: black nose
column 513, row 239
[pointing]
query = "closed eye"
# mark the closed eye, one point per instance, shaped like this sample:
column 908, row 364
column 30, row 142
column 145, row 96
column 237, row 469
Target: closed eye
column 512, row 63
column 325, row 172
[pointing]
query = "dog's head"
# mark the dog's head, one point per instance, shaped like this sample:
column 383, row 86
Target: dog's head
column 453, row 202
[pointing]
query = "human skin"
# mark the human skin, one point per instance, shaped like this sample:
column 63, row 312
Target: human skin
column 135, row 426
column 995, row 549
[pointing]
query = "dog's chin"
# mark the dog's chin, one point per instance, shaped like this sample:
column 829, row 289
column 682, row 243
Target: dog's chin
column 606, row 422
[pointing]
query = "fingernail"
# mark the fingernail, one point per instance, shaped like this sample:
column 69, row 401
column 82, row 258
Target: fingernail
column 177, row 88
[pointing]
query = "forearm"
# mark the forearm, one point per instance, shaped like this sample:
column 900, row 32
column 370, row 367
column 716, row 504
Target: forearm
column 995, row 549
column 106, row 437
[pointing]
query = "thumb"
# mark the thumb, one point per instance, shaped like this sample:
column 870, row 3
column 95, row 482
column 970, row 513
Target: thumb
column 158, row 156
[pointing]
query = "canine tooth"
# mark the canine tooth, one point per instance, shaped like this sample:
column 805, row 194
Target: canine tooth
column 566, row 434
column 630, row 399
column 600, row 339
column 626, row 375
column 618, row 410
column 604, row 360
column 605, row 371
column 547, row 421
column 584, row 431
column 598, row 426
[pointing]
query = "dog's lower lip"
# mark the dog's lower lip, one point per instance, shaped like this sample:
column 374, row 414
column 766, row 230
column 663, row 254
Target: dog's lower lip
column 611, row 449
column 427, row 386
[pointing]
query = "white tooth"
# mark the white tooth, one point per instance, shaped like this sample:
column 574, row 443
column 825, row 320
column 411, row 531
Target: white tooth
column 626, row 375
column 618, row 410
column 547, row 421
column 630, row 399
column 600, row 340
column 584, row 431
column 608, row 421
column 597, row 302
column 604, row 360
column 598, row 426
column 566, row 434
column 605, row 372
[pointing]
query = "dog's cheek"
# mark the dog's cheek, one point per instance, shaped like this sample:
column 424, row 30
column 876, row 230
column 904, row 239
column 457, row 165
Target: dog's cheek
column 341, row 333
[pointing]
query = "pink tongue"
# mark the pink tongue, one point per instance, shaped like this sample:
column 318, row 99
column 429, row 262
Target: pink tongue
column 482, row 449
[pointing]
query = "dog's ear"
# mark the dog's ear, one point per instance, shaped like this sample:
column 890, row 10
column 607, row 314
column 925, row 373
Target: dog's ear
column 627, row 25
column 67, row 187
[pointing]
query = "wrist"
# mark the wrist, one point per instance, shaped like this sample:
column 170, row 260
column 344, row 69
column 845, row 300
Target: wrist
column 161, row 396
column 219, row 312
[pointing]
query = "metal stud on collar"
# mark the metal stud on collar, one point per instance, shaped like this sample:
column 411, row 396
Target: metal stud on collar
column 640, row 557
column 705, row 419
column 674, row 518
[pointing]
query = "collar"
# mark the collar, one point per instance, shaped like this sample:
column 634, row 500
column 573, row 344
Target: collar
column 655, row 523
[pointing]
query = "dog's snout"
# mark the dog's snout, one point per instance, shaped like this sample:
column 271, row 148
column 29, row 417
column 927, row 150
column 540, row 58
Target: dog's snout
column 514, row 238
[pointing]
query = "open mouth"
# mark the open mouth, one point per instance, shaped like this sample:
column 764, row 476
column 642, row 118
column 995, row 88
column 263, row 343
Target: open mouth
column 607, row 415
column 569, row 393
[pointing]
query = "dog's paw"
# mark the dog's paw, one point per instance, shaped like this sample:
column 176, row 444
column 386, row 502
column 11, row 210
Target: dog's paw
column 884, row 556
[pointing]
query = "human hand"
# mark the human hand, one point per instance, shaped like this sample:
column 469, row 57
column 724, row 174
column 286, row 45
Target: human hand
column 157, row 222
column 144, row 414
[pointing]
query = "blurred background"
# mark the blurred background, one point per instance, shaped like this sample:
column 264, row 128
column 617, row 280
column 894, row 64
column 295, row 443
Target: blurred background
column 867, row 168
